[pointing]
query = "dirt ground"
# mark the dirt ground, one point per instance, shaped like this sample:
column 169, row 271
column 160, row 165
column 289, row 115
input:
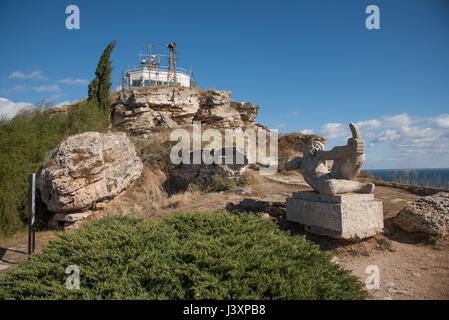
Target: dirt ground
column 409, row 266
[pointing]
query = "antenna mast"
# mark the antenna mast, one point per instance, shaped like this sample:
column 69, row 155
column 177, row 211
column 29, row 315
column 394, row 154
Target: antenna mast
column 171, row 74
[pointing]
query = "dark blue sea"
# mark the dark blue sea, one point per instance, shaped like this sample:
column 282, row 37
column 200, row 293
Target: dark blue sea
column 420, row 177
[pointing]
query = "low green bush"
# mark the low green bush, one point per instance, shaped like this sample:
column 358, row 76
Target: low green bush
column 189, row 256
column 219, row 183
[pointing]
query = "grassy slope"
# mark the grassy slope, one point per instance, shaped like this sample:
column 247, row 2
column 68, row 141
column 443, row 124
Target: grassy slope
column 24, row 143
column 189, row 256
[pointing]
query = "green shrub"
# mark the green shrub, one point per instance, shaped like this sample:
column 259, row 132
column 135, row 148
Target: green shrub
column 24, row 143
column 247, row 178
column 219, row 183
column 189, row 256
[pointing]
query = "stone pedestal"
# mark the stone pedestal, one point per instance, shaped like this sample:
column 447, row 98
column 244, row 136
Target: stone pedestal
column 347, row 216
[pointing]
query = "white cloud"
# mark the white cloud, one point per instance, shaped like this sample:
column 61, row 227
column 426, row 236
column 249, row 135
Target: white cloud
column 369, row 135
column 50, row 88
column 9, row 109
column 33, row 75
column 414, row 142
column 334, row 130
column 442, row 121
column 400, row 120
column 307, row 131
column 387, row 136
column 71, row 81
column 369, row 124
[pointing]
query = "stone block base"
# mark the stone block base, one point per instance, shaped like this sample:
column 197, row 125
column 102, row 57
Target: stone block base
column 347, row 216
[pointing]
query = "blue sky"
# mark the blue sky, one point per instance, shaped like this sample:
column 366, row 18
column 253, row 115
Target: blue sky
column 312, row 66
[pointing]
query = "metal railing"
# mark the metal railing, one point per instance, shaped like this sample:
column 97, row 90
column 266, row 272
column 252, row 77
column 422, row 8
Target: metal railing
column 139, row 67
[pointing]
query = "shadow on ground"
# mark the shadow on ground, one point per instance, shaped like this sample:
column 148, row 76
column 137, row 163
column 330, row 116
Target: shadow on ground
column 4, row 251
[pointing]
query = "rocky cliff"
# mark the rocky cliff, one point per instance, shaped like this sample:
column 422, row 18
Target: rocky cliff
column 139, row 110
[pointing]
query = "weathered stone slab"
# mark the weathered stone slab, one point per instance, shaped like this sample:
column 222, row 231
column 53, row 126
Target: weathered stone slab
column 339, row 198
column 72, row 217
column 72, row 225
column 348, row 216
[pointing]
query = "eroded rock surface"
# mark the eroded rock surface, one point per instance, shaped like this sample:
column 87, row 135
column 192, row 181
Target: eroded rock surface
column 141, row 109
column 429, row 215
column 87, row 168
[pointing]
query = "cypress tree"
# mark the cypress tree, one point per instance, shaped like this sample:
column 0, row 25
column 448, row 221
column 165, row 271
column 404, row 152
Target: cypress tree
column 100, row 86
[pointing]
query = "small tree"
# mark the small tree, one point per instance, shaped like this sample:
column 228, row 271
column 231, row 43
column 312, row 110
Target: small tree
column 100, row 86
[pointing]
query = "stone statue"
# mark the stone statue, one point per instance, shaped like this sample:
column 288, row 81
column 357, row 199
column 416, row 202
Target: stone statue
column 347, row 163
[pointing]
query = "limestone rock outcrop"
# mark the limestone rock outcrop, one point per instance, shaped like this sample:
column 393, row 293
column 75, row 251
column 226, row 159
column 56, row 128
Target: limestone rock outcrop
column 85, row 169
column 429, row 215
column 139, row 110
column 217, row 110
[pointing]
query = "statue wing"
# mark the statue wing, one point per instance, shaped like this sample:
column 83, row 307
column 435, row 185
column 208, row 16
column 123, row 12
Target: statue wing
column 355, row 131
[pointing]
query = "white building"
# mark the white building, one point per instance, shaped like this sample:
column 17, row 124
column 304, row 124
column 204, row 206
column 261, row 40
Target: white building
column 141, row 75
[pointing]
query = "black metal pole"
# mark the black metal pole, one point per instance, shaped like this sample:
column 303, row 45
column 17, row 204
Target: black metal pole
column 32, row 215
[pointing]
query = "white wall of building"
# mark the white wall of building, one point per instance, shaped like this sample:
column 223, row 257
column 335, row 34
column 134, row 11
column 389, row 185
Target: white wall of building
column 143, row 77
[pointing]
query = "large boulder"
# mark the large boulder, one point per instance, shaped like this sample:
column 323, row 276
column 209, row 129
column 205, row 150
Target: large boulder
column 88, row 168
column 429, row 215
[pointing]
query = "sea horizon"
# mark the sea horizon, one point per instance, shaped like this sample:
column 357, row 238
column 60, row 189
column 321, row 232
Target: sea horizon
column 405, row 169
column 427, row 177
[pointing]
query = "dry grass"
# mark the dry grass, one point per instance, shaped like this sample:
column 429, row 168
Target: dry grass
column 258, row 186
column 145, row 193
column 155, row 151
column 180, row 199
column 147, row 196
